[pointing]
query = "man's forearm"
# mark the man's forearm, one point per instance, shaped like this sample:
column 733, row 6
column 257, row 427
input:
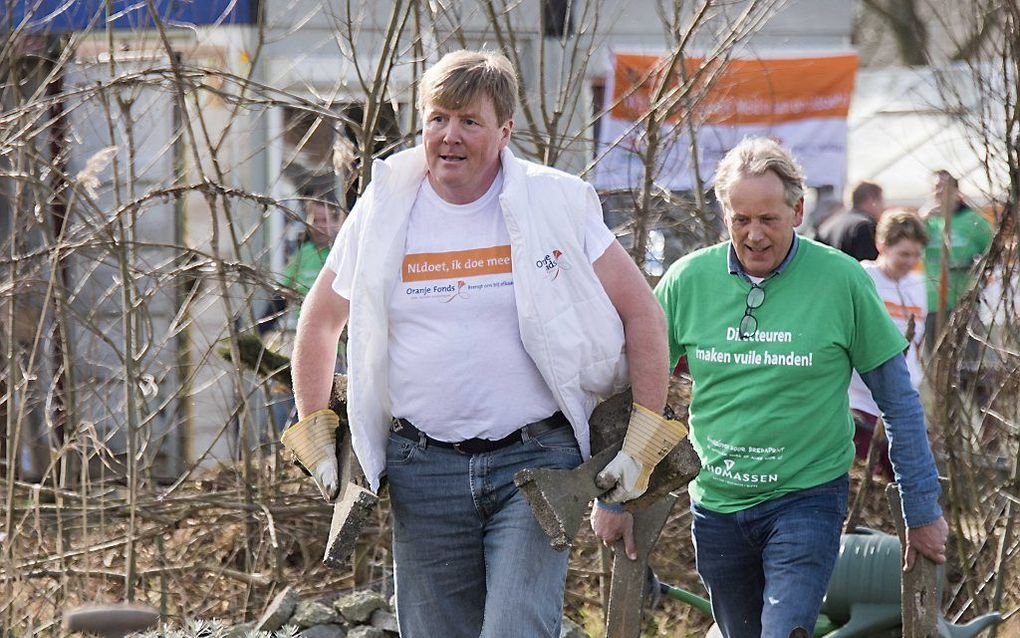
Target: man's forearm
column 647, row 351
column 312, row 367
column 323, row 317
column 909, row 450
column 644, row 325
column 648, row 355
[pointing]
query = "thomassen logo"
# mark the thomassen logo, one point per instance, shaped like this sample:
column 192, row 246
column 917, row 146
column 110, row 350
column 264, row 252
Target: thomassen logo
column 727, row 474
column 552, row 264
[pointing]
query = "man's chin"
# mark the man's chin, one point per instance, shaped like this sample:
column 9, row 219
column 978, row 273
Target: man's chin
column 758, row 266
column 446, row 175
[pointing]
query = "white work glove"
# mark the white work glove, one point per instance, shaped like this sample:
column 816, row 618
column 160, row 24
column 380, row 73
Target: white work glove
column 327, row 476
column 650, row 437
column 621, row 476
column 313, row 441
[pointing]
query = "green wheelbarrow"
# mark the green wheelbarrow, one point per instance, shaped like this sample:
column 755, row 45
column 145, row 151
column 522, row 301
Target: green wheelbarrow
column 863, row 599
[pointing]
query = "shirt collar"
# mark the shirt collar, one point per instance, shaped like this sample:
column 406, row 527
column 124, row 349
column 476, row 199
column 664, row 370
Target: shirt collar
column 736, row 268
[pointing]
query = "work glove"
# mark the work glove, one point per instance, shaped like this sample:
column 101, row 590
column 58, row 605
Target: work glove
column 313, row 441
column 650, row 437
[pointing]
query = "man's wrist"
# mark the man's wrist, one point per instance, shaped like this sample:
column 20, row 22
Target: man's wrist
column 920, row 500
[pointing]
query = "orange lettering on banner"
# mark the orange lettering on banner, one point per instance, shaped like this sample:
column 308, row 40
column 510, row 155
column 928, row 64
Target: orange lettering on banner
column 494, row 260
column 761, row 91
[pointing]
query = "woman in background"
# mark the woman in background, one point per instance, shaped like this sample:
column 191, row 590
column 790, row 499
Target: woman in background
column 901, row 237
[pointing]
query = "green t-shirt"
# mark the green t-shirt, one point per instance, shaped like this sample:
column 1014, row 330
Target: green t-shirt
column 969, row 237
column 304, row 267
column 770, row 415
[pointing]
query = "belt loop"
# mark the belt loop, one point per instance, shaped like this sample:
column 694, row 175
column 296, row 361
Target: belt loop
column 422, row 440
column 525, row 433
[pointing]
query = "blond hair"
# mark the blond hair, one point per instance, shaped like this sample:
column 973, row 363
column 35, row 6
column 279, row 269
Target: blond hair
column 462, row 76
column 752, row 157
column 898, row 224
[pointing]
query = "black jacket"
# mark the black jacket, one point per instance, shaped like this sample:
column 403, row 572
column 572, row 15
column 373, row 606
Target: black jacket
column 853, row 232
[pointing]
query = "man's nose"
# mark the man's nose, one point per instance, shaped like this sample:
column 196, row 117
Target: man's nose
column 756, row 232
column 452, row 133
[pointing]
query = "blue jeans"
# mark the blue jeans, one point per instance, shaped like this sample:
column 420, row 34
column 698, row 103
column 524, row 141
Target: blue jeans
column 470, row 559
column 766, row 568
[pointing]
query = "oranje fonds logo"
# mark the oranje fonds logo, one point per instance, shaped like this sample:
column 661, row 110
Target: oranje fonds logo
column 552, row 264
column 458, row 293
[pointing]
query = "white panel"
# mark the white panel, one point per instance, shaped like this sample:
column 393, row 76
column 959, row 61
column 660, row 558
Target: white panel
column 98, row 336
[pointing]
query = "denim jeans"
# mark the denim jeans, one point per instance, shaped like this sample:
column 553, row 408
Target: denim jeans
column 470, row 559
column 766, row 568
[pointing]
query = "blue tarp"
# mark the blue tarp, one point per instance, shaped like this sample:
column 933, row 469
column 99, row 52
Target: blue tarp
column 61, row 16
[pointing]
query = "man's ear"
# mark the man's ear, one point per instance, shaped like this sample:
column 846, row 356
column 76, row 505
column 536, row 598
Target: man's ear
column 798, row 212
column 505, row 132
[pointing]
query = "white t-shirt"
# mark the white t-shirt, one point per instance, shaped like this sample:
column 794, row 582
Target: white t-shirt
column 902, row 299
column 457, row 366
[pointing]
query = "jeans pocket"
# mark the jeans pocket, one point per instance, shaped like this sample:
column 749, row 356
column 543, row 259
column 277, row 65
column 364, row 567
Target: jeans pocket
column 561, row 441
column 828, row 499
column 400, row 450
column 839, row 490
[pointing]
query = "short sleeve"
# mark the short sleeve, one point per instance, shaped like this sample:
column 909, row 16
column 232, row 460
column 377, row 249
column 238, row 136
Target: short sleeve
column 343, row 256
column 876, row 338
column 597, row 236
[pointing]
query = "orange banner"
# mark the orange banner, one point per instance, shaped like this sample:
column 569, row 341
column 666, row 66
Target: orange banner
column 746, row 91
column 494, row 260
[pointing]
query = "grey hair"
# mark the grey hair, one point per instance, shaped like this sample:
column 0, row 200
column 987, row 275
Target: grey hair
column 752, row 157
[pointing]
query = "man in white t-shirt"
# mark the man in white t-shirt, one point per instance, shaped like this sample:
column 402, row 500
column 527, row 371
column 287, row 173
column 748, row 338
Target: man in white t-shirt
column 901, row 237
column 488, row 308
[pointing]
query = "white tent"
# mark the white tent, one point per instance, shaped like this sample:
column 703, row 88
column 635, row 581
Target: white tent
column 905, row 123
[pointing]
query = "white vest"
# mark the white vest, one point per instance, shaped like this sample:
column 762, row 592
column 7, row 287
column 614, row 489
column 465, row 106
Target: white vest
column 569, row 327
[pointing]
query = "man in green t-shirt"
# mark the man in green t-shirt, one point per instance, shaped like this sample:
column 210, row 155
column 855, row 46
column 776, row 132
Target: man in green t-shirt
column 970, row 235
column 772, row 326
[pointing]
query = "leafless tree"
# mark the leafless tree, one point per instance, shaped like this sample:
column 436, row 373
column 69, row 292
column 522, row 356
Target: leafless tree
column 148, row 182
column 976, row 365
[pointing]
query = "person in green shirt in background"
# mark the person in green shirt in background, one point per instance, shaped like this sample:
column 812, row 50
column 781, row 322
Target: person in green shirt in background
column 772, row 326
column 970, row 236
column 322, row 223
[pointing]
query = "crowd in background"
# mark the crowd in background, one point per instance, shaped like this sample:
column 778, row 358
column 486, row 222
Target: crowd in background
column 902, row 250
